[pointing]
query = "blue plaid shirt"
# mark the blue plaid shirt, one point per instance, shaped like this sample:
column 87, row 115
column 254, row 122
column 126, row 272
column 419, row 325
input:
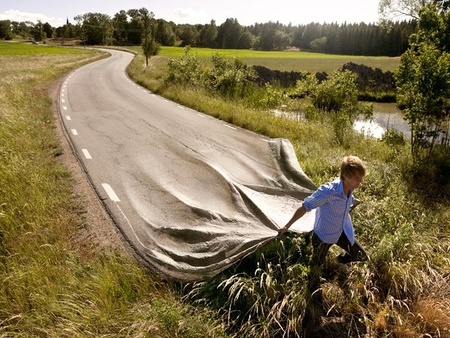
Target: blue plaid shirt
column 332, row 214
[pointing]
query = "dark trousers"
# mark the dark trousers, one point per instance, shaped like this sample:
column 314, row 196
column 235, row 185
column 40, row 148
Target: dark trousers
column 352, row 253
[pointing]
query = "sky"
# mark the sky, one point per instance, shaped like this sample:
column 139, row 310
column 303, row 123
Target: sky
column 247, row 12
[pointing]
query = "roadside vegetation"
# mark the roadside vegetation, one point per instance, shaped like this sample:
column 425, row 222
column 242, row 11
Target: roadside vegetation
column 403, row 291
column 51, row 285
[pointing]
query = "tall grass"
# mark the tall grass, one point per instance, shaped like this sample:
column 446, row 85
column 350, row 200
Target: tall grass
column 49, row 285
column 275, row 293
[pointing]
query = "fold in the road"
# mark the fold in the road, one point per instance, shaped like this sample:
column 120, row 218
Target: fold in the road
column 190, row 193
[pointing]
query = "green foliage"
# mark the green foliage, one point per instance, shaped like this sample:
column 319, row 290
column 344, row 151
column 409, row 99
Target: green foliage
column 423, row 87
column 274, row 300
column 184, row 70
column 149, row 45
column 96, row 28
column 229, row 77
column 336, row 98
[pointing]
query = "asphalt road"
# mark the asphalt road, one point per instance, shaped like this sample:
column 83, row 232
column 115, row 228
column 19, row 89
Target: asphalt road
column 191, row 193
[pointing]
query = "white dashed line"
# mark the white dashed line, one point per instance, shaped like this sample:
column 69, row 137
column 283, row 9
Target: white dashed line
column 112, row 195
column 68, row 118
column 226, row 125
column 74, row 132
column 64, row 107
column 86, row 154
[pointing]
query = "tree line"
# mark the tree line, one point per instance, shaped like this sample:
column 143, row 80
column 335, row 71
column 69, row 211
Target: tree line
column 127, row 28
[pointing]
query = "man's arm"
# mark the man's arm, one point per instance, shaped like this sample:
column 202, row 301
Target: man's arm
column 297, row 215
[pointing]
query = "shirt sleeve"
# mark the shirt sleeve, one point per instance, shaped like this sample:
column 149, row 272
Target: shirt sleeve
column 318, row 198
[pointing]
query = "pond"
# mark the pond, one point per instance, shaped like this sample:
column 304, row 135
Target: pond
column 385, row 116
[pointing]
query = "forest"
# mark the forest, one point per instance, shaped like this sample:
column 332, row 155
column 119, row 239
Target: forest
column 126, row 28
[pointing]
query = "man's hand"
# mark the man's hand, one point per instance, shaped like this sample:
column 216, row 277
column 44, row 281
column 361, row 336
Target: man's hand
column 282, row 231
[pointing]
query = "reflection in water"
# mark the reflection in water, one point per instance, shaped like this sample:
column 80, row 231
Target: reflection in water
column 385, row 116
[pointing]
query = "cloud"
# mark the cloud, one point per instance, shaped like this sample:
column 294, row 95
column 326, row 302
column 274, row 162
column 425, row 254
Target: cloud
column 190, row 16
column 14, row 15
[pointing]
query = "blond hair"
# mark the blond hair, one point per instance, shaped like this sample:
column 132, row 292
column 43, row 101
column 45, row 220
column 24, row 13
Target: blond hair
column 351, row 166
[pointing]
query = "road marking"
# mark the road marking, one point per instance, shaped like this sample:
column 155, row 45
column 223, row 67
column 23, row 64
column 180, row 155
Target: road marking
column 201, row 115
column 64, row 107
column 112, row 195
column 74, row 132
column 63, row 101
column 226, row 125
column 68, row 118
column 86, row 154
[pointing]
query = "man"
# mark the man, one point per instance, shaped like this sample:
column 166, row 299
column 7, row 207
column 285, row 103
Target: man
column 333, row 224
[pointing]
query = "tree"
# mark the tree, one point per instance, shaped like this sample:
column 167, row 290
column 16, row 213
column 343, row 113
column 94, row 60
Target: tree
column 207, row 35
column 5, row 30
column 96, row 28
column 135, row 27
column 38, row 32
column 149, row 45
column 422, row 82
column 188, row 35
column 164, row 33
column 273, row 39
column 121, row 27
column 390, row 10
column 229, row 33
column 335, row 99
column 246, row 41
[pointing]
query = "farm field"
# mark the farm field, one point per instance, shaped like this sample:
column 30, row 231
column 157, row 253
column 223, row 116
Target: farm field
column 21, row 48
column 287, row 60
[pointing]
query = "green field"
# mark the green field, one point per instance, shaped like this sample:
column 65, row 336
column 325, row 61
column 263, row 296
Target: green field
column 287, row 60
column 22, row 48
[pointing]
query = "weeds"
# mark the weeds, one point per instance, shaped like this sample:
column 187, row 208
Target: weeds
column 276, row 293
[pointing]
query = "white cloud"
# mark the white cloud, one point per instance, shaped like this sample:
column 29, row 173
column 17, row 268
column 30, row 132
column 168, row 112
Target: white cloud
column 189, row 15
column 14, row 15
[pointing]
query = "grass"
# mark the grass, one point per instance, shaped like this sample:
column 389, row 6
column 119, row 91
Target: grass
column 20, row 48
column 286, row 60
column 403, row 227
column 51, row 285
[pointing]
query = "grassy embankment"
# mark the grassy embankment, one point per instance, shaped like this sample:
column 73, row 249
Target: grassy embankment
column 404, row 224
column 50, row 286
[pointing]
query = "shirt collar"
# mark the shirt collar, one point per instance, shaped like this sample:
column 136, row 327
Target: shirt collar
column 340, row 186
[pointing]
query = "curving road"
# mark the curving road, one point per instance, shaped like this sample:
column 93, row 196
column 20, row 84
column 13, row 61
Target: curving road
column 190, row 193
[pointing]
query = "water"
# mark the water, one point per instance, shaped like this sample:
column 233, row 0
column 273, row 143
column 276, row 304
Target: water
column 385, row 116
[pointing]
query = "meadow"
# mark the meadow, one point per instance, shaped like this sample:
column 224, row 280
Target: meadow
column 20, row 48
column 286, row 60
